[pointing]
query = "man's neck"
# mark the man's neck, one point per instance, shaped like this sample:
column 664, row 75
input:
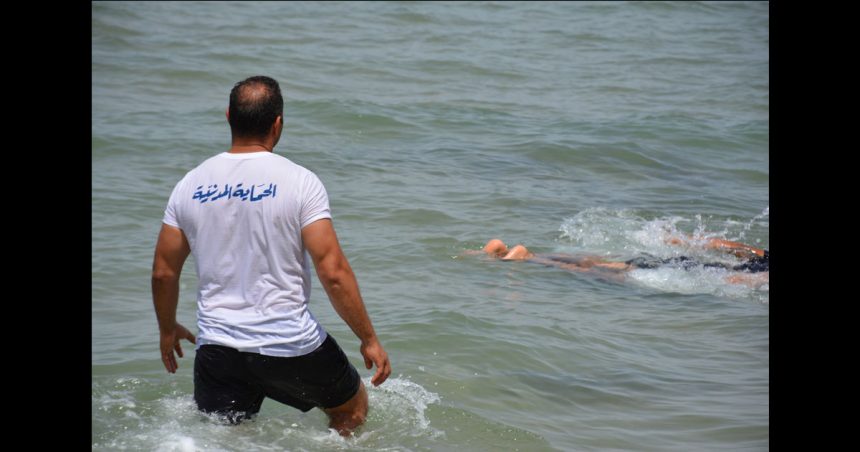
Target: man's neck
column 245, row 147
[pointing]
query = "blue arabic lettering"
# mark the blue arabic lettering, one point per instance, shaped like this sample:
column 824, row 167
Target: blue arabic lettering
column 240, row 193
column 203, row 197
column 224, row 193
column 233, row 192
column 266, row 192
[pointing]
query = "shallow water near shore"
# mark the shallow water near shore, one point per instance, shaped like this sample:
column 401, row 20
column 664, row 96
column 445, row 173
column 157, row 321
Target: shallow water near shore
column 581, row 128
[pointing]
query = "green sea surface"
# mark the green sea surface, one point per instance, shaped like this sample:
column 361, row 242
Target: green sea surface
column 570, row 127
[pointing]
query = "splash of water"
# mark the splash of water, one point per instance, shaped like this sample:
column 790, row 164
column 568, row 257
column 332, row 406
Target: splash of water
column 764, row 214
column 126, row 417
column 698, row 280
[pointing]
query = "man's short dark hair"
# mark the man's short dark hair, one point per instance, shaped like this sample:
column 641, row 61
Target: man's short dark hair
column 254, row 104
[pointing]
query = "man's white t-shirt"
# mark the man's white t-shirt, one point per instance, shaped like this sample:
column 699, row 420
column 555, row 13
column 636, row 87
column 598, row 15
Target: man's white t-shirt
column 243, row 215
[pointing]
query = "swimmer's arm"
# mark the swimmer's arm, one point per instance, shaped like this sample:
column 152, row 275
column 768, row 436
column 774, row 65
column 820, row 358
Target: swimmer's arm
column 339, row 282
column 738, row 249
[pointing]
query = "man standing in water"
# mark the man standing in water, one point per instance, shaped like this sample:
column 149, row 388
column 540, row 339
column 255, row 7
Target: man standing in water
column 251, row 218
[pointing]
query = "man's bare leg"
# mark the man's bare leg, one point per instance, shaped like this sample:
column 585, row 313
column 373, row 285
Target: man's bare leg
column 347, row 417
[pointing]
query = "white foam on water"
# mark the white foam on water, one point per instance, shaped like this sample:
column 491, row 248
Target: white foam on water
column 178, row 443
column 172, row 423
column 698, row 280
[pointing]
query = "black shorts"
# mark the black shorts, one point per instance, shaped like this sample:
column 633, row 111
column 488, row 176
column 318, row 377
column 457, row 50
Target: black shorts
column 233, row 383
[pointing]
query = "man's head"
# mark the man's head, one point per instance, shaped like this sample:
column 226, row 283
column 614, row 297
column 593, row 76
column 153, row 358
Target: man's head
column 255, row 105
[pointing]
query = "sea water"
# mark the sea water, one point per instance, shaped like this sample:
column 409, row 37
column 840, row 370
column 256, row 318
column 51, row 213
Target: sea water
column 595, row 128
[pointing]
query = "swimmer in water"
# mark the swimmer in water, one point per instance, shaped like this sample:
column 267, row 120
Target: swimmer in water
column 754, row 271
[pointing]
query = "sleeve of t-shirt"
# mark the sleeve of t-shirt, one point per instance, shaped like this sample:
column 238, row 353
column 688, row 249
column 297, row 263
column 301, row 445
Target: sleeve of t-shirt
column 315, row 203
column 170, row 216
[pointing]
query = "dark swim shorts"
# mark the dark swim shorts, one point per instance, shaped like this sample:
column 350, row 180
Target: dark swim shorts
column 755, row 265
column 684, row 262
column 233, row 384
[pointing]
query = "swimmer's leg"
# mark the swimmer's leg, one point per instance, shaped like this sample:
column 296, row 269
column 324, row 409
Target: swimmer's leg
column 496, row 247
column 621, row 266
column 597, row 261
column 518, row 253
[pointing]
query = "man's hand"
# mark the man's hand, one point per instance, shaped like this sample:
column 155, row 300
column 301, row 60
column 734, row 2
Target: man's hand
column 373, row 353
column 170, row 253
column 170, row 342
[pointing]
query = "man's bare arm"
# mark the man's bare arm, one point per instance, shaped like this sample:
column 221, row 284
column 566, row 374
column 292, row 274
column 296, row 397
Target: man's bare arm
column 340, row 284
column 170, row 253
